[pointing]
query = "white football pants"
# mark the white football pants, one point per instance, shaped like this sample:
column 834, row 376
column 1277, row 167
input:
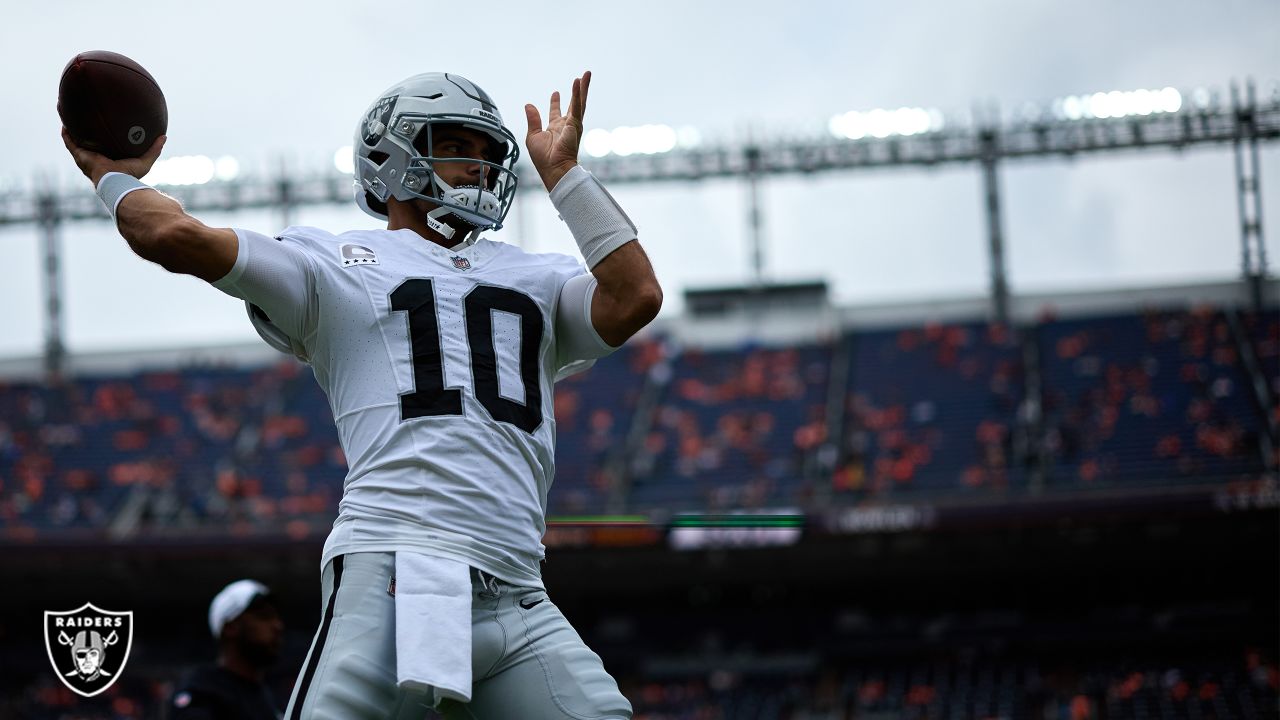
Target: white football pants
column 526, row 660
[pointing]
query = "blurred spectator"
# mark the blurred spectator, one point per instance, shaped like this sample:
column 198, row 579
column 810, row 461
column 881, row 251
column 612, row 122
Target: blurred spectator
column 935, row 408
column 1156, row 396
column 247, row 627
column 735, row 429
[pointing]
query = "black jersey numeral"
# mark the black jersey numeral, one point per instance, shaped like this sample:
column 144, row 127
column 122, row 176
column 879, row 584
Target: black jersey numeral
column 430, row 397
column 416, row 296
column 480, row 304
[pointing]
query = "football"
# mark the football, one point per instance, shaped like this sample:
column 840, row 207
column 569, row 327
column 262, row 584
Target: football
column 111, row 104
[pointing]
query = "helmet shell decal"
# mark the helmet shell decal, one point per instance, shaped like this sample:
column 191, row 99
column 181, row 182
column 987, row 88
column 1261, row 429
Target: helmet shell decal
column 481, row 112
column 473, row 91
column 375, row 121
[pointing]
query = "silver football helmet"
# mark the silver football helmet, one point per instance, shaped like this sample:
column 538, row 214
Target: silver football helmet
column 392, row 149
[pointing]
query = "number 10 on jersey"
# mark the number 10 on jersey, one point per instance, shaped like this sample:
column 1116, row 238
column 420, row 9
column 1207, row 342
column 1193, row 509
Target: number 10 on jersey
column 417, row 298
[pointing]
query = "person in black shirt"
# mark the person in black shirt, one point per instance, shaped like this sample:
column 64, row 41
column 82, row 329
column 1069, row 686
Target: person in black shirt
column 244, row 620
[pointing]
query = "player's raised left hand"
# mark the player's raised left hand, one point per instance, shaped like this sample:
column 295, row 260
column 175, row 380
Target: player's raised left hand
column 554, row 151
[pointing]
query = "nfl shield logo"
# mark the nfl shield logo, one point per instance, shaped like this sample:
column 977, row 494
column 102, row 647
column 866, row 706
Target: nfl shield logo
column 88, row 646
column 460, row 262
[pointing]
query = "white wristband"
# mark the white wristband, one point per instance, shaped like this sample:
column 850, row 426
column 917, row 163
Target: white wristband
column 113, row 186
column 593, row 216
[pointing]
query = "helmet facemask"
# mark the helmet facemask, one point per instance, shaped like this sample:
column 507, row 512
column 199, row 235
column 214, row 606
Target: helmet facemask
column 480, row 206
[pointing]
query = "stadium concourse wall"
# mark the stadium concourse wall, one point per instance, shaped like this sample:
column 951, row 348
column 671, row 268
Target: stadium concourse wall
column 788, row 326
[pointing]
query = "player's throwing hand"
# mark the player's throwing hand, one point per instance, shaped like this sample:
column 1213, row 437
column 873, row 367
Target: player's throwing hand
column 95, row 165
column 554, row 151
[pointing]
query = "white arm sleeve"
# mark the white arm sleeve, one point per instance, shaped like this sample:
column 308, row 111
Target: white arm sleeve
column 576, row 336
column 277, row 277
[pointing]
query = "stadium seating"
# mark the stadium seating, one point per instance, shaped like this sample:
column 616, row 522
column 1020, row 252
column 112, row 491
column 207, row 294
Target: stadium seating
column 929, row 411
column 594, row 415
column 934, row 410
column 731, row 429
column 1156, row 397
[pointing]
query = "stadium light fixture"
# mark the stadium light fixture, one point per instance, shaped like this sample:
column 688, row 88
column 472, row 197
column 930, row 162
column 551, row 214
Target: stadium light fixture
column 1117, row 104
column 639, row 140
column 343, row 161
column 596, row 142
column 183, row 170
column 688, row 137
column 226, row 168
column 880, row 123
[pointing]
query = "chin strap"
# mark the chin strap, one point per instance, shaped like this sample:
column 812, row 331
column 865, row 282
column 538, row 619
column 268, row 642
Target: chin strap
column 473, row 199
column 447, row 230
column 434, row 222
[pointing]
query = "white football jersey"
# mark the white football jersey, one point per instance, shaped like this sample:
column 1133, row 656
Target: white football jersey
column 439, row 366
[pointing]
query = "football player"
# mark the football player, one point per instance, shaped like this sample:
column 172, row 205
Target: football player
column 438, row 349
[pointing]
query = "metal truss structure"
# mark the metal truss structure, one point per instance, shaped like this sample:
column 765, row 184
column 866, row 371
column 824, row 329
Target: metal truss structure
column 1244, row 123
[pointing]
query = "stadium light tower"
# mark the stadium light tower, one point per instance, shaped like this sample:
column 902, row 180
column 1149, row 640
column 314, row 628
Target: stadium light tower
column 989, row 155
column 1253, row 251
column 48, row 218
column 755, row 217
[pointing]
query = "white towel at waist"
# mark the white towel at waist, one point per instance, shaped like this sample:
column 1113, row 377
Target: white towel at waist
column 433, row 625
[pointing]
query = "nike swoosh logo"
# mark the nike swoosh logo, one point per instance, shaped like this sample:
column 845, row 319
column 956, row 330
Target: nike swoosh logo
column 535, row 602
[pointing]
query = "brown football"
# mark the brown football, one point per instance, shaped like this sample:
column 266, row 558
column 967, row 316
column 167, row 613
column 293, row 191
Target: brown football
column 110, row 104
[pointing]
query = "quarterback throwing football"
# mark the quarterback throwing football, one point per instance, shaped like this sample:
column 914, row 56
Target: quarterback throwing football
column 438, row 350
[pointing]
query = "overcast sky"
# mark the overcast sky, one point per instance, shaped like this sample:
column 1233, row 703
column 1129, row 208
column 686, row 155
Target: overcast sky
column 263, row 81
